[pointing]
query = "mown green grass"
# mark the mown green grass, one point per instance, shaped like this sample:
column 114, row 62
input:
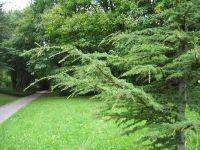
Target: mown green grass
column 56, row 123
column 4, row 99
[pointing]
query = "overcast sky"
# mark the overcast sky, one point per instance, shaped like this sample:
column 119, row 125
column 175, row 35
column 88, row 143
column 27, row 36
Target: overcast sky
column 15, row 4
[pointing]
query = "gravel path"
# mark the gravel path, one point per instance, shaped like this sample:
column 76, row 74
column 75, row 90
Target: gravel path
column 9, row 109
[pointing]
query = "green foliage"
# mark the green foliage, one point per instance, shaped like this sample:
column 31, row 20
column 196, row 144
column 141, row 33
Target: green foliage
column 84, row 30
column 3, row 35
column 140, row 79
column 140, row 58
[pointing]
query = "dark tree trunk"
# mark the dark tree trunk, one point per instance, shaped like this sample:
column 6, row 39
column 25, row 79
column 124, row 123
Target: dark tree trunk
column 111, row 5
column 180, row 134
column 182, row 88
column 13, row 79
column 104, row 5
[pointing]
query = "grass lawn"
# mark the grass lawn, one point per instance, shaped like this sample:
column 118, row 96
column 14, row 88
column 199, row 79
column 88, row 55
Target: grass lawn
column 4, row 99
column 57, row 123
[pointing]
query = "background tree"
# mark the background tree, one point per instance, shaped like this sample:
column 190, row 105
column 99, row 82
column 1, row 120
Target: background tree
column 148, row 78
column 141, row 58
column 4, row 34
column 85, row 27
column 3, row 31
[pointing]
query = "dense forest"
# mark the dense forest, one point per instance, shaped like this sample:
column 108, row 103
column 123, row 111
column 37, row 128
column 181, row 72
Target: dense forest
column 140, row 57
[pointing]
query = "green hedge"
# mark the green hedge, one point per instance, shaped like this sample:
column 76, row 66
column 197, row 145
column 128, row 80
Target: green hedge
column 15, row 93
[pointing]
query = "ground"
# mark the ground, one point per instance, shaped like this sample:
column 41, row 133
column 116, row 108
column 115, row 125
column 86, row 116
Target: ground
column 4, row 99
column 57, row 123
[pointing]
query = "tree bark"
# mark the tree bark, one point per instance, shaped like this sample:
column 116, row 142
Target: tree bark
column 180, row 134
column 111, row 5
column 182, row 88
column 104, row 5
column 13, row 79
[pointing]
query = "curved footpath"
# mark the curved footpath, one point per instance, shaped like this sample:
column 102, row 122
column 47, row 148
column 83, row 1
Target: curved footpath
column 8, row 110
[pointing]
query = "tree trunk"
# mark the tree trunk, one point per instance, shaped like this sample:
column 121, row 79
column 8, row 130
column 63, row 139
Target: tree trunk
column 182, row 88
column 180, row 134
column 104, row 5
column 13, row 79
column 111, row 5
